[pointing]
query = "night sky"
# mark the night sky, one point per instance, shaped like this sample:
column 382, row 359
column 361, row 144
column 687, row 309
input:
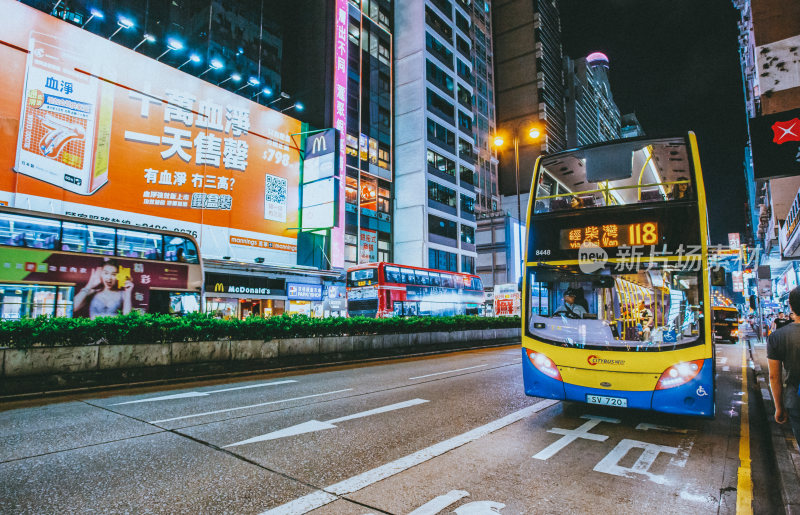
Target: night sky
column 675, row 64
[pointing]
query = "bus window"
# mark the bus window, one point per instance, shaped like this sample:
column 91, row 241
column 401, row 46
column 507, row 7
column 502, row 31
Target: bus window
column 393, row 274
column 447, row 281
column 362, row 277
column 73, row 237
column 476, row 284
column 179, row 249
column 27, row 231
column 100, row 240
column 139, row 244
column 408, row 276
column 423, row 278
column 435, row 279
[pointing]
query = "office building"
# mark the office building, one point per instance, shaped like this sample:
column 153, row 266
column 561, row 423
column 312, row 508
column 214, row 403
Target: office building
column 530, row 85
column 436, row 159
column 591, row 114
column 630, row 126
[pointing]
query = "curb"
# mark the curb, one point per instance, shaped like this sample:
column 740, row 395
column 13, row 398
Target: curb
column 787, row 457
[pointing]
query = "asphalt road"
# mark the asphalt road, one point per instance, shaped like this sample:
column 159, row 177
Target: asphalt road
column 444, row 434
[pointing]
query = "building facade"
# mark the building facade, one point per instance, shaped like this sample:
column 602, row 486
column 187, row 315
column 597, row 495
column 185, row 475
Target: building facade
column 769, row 38
column 434, row 135
column 327, row 63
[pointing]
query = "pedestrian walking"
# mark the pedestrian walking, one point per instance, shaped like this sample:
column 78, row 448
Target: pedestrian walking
column 783, row 353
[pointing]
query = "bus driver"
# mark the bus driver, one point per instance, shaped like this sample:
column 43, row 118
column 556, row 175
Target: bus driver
column 569, row 308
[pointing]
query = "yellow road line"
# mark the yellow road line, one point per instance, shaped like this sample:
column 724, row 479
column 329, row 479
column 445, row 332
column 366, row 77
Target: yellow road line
column 744, row 485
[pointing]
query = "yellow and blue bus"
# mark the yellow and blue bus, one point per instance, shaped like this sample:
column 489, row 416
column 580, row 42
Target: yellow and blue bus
column 616, row 286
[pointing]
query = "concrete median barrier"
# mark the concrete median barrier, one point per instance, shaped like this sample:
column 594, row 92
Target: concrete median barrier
column 40, row 369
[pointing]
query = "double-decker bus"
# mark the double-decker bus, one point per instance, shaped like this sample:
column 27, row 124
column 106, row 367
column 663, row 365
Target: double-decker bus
column 64, row 266
column 616, row 286
column 386, row 289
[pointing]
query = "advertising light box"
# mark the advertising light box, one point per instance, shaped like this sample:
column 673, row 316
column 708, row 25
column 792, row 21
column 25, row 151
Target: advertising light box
column 94, row 130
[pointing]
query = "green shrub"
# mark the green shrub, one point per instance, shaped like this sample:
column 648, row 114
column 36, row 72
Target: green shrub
column 136, row 328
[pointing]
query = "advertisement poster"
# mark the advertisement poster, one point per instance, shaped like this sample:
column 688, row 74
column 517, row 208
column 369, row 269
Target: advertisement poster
column 368, row 246
column 141, row 143
column 104, row 285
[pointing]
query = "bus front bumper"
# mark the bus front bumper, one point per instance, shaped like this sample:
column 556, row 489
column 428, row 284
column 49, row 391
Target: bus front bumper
column 694, row 398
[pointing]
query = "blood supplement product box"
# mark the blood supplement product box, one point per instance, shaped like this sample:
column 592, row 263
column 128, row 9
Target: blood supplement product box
column 65, row 122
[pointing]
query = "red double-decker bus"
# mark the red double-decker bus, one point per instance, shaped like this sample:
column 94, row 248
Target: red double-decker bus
column 386, row 290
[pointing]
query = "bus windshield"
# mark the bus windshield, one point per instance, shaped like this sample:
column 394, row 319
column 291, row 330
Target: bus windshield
column 645, row 310
column 629, row 172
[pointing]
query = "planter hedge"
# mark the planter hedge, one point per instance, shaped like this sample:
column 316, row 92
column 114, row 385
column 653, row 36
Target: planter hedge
column 136, row 328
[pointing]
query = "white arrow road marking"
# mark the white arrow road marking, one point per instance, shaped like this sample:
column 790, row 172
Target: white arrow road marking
column 203, row 394
column 315, row 425
column 448, row 371
column 250, row 406
column 331, row 493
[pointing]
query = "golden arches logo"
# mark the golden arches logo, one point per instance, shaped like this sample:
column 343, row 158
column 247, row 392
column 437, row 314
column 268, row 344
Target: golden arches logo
column 219, row 287
column 319, row 144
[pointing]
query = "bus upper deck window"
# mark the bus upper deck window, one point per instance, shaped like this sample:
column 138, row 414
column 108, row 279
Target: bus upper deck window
column 447, row 280
column 393, row 274
column 100, row 240
column 138, row 244
column 27, row 231
column 179, row 249
column 73, row 237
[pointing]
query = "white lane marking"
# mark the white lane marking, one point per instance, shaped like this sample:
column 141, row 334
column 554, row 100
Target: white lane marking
column 436, row 505
column 644, row 426
column 449, row 371
column 317, row 425
column 250, row 406
column 203, row 394
column 254, row 386
column 570, row 435
column 320, row 498
column 610, row 464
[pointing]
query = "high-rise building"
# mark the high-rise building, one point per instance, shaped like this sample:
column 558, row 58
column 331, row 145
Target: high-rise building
column 591, row 114
column 530, row 85
column 486, row 185
column 434, row 134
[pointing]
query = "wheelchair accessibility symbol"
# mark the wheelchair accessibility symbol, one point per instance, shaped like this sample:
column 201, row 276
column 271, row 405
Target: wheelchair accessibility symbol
column 701, row 392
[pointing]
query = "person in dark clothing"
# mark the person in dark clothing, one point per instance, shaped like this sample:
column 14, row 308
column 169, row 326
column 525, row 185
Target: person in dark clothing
column 783, row 353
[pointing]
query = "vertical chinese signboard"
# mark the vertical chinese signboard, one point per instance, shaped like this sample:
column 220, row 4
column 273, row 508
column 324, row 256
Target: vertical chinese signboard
column 95, row 130
column 368, row 246
column 340, row 123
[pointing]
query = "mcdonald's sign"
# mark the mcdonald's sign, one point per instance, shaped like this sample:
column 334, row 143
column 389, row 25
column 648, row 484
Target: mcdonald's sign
column 244, row 285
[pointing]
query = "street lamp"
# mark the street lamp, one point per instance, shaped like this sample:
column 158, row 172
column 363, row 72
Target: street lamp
column 194, row 58
column 280, row 97
column 172, row 44
column 267, row 93
column 252, row 81
column 147, row 37
column 123, row 23
column 94, row 14
column 214, row 64
column 235, row 77
column 533, row 133
column 297, row 106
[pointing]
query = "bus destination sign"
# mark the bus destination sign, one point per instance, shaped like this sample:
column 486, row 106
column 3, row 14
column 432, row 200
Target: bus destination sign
column 610, row 235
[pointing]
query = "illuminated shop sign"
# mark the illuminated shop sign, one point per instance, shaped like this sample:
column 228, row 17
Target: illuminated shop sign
column 304, row 291
column 217, row 283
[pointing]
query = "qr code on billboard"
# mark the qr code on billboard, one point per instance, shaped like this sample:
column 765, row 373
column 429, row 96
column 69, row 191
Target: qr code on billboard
column 275, row 192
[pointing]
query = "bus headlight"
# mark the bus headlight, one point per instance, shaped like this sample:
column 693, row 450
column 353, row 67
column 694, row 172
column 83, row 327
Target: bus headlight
column 544, row 364
column 678, row 374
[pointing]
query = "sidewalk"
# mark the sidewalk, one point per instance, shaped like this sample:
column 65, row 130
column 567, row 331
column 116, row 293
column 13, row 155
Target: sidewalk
column 787, row 456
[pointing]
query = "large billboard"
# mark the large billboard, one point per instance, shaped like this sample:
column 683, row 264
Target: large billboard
column 89, row 128
column 776, row 144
